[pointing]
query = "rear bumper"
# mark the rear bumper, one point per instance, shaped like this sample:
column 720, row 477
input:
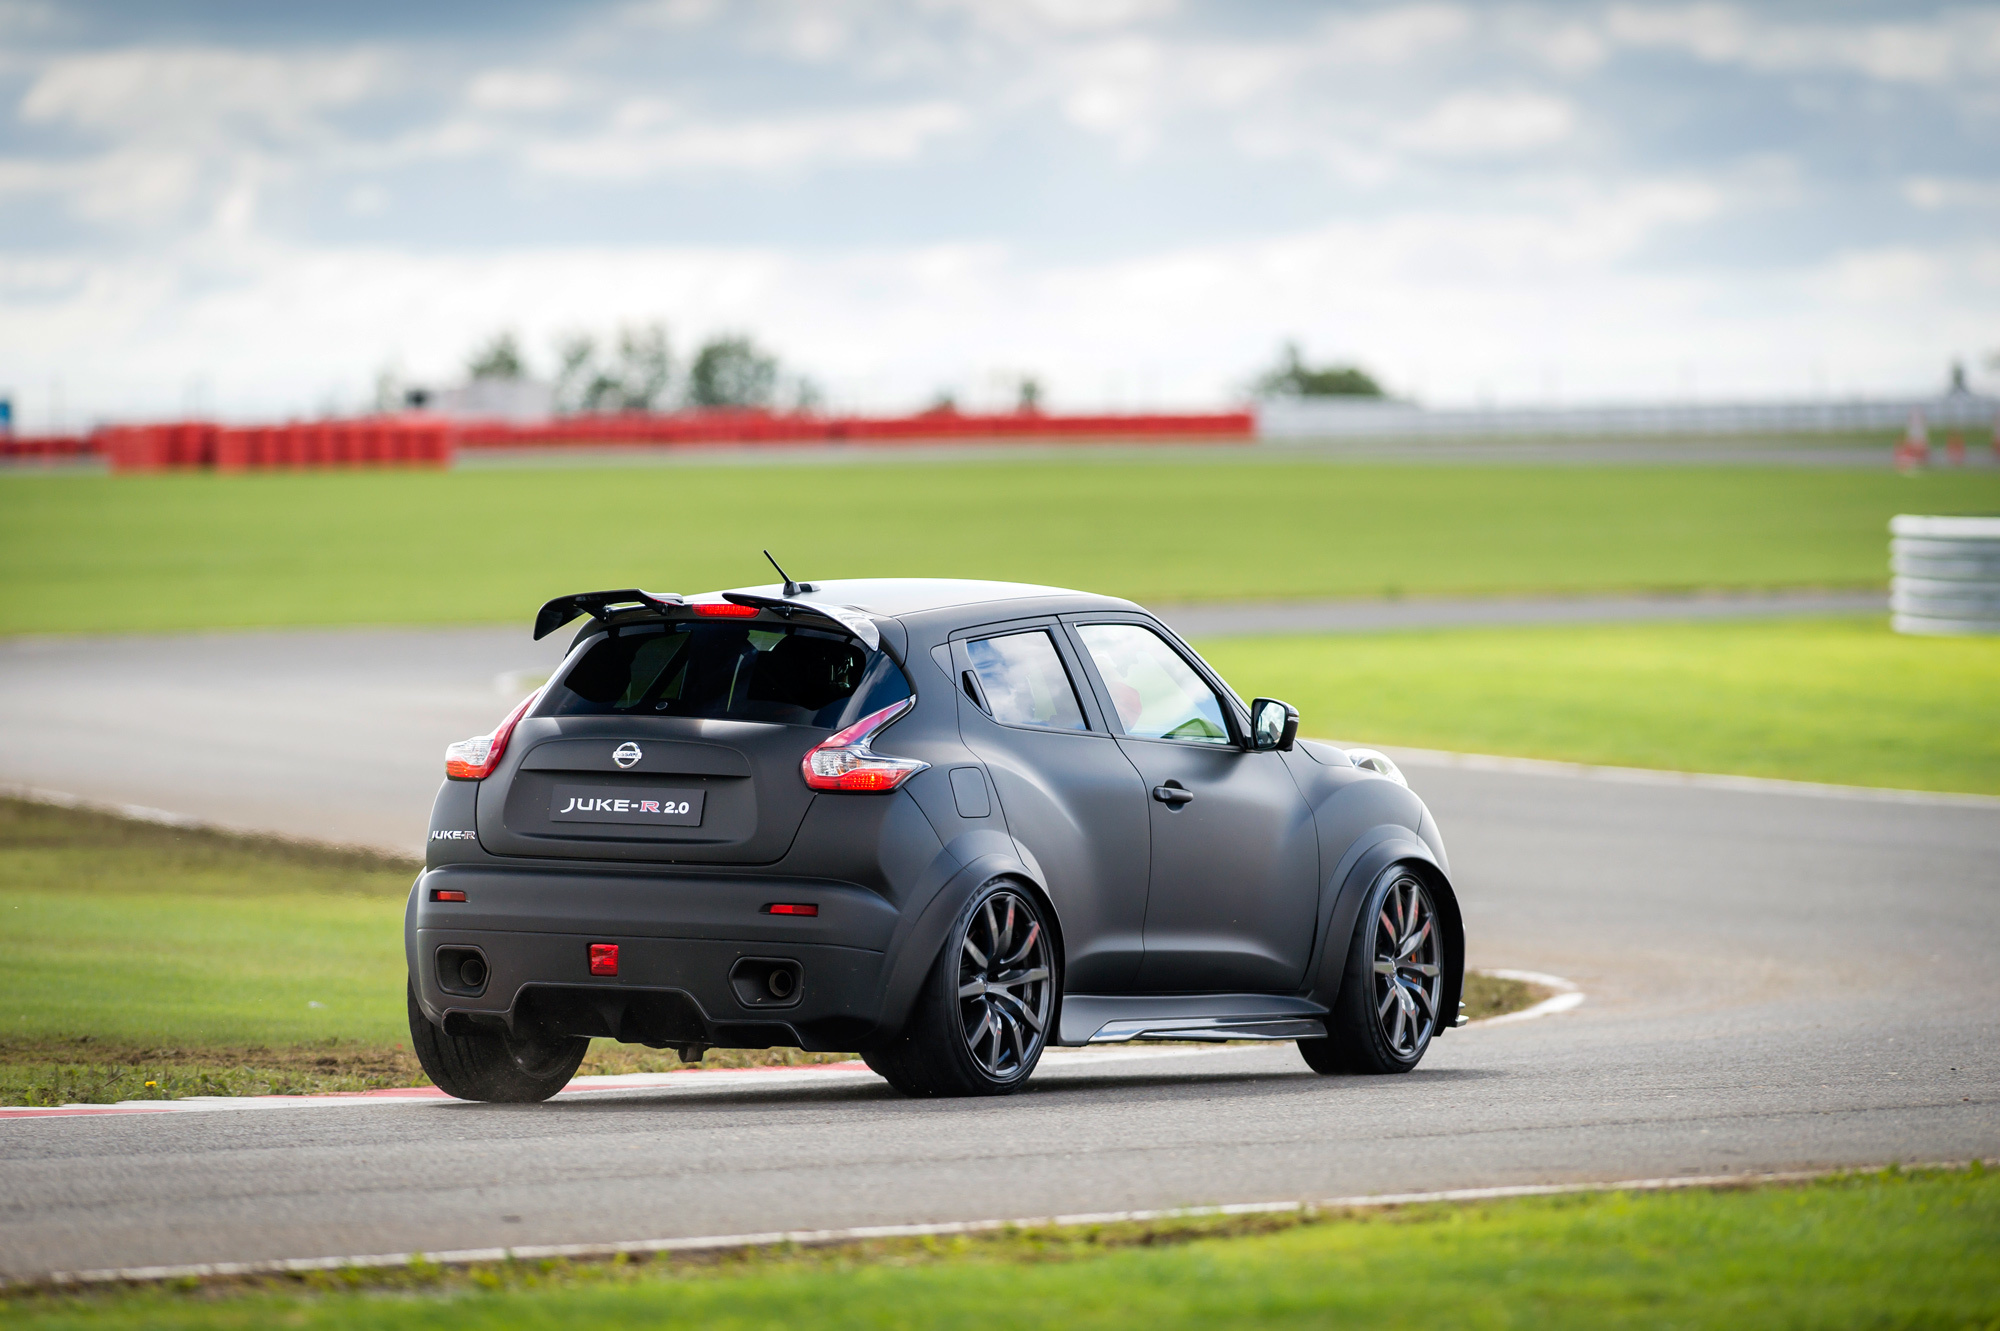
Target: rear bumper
column 687, row 946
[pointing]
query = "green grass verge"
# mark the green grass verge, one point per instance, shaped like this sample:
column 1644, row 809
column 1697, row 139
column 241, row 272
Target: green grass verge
column 1879, row 1250
column 94, row 553
column 1837, row 700
column 142, row 962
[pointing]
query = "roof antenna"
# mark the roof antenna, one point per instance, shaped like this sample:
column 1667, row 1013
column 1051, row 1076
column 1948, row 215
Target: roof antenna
column 791, row 588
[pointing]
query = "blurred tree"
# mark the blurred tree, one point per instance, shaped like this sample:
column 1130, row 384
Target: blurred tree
column 635, row 377
column 1292, row 377
column 1029, row 400
column 730, row 371
column 644, row 367
column 498, row 359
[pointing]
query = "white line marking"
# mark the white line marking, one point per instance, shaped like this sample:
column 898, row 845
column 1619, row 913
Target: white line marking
column 1647, row 776
column 862, row 1233
column 1566, row 997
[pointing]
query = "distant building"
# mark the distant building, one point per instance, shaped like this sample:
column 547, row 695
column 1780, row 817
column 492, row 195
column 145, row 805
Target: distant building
column 489, row 399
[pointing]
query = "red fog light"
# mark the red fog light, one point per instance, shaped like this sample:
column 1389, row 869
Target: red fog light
column 446, row 894
column 791, row 908
column 604, row 958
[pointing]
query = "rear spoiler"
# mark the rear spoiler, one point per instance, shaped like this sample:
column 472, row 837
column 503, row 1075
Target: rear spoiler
column 600, row 605
column 846, row 616
column 603, row 605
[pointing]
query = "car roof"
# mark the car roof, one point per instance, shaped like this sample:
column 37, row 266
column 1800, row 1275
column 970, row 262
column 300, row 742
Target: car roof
column 914, row 596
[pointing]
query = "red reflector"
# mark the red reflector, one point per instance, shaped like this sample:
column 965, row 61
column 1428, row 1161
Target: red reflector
column 726, row 610
column 604, row 958
column 791, row 908
column 446, row 894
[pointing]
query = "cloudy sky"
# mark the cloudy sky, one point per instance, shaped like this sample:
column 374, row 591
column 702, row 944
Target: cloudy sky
column 255, row 209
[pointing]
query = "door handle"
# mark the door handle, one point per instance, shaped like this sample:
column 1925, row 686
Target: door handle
column 1172, row 794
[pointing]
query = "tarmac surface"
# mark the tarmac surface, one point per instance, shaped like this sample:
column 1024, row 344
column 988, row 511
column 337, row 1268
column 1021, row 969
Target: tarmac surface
column 1776, row 978
column 339, row 734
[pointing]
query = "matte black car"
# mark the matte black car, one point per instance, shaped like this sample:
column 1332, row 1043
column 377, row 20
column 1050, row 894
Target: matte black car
column 944, row 823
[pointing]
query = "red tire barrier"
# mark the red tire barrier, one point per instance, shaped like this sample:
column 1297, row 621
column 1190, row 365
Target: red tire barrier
column 199, row 445
column 758, row 427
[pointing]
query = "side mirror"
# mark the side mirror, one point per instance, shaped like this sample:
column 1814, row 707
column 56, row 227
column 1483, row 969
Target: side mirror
column 1273, row 725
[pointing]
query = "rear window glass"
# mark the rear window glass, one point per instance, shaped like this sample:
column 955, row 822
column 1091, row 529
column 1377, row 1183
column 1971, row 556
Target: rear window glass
column 774, row 673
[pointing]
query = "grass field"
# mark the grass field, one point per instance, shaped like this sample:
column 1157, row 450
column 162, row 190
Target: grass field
column 147, row 962
column 1839, row 700
column 93, row 553
column 1869, row 1251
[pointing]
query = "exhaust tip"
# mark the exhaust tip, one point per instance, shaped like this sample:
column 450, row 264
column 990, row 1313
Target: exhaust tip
column 767, row 981
column 472, row 972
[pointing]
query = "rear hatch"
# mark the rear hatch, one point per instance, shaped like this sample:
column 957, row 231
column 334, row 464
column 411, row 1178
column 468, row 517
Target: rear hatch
column 680, row 741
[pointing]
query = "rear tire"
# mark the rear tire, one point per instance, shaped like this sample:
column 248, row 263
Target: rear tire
column 491, row 1065
column 1387, row 1010
column 984, row 1014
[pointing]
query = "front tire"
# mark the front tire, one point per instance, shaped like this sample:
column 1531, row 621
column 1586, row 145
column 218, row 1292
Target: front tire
column 1388, row 1007
column 492, row 1065
column 983, row 1016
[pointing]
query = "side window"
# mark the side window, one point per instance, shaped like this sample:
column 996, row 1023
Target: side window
column 1024, row 681
column 1157, row 694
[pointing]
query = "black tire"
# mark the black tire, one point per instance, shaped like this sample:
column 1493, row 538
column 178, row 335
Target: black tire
column 491, row 1065
column 1387, row 1011
column 985, row 1012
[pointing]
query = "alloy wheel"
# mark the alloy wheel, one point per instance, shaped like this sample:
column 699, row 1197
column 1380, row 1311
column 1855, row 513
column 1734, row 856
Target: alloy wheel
column 1407, row 974
column 1005, row 989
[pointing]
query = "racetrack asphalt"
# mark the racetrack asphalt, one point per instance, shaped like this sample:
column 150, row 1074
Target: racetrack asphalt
column 1777, row 979
column 339, row 734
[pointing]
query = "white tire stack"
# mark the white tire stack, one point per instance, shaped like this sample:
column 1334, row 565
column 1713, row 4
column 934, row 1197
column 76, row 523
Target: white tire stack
column 1947, row 574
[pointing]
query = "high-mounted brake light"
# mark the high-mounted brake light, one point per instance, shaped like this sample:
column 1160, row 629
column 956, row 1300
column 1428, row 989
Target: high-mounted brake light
column 474, row 759
column 725, row 610
column 845, row 762
column 791, row 908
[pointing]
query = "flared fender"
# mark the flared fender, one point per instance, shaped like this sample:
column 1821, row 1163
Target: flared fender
column 1368, row 855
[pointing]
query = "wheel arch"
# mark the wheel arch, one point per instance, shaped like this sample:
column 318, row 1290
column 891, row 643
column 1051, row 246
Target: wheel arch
column 918, row 948
column 1370, row 856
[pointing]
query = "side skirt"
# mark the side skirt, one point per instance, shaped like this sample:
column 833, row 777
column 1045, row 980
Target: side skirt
column 1117, row 1018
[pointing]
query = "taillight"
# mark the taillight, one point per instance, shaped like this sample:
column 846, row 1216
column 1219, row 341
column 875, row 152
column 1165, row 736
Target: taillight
column 845, row 762
column 725, row 610
column 474, row 759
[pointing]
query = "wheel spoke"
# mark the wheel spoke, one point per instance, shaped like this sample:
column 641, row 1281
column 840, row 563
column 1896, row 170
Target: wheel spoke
column 1407, row 966
column 972, row 989
column 1415, row 940
column 972, row 949
column 1034, row 932
column 1017, row 1007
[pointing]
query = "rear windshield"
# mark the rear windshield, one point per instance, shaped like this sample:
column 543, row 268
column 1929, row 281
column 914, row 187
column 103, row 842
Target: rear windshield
column 774, row 673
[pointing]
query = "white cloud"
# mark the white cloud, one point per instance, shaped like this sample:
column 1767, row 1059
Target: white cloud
column 1962, row 44
column 1450, row 301
column 1472, row 123
column 155, row 92
column 648, row 137
column 518, row 90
